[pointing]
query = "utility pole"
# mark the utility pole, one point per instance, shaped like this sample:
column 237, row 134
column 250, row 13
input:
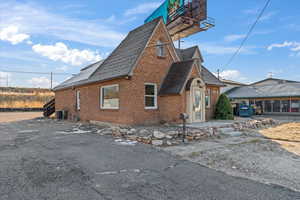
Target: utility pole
column 51, row 79
column 218, row 72
column 7, row 80
column 179, row 43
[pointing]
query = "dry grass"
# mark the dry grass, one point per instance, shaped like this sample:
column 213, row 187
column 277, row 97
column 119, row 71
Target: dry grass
column 287, row 135
column 24, row 97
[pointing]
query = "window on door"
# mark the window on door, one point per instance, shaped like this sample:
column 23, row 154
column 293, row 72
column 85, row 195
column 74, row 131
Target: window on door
column 150, row 96
column 208, row 98
column 78, row 100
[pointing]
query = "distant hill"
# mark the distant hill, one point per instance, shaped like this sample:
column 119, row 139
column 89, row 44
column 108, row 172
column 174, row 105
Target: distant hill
column 24, row 98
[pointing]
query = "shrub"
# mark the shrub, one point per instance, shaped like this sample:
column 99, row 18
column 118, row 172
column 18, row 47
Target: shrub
column 224, row 109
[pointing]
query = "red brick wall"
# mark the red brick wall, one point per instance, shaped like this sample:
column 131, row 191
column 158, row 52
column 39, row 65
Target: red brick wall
column 150, row 69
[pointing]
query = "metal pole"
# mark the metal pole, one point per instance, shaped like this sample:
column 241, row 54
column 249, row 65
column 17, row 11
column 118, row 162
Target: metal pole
column 218, row 71
column 184, row 130
column 179, row 43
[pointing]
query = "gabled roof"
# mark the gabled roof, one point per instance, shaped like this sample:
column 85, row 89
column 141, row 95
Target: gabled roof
column 121, row 61
column 265, row 91
column 225, row 81
column 209, row 78
column 275, row 79
column 176, row 78
column 187, row 54
column 83, row 76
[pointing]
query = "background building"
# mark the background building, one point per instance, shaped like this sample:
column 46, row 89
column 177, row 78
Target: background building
column 272, row 96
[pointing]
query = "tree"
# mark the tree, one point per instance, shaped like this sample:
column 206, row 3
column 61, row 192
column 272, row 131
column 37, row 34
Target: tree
column 224, row 109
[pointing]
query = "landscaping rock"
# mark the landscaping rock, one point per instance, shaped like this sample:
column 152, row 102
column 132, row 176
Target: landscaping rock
column 157, row 142
column 144, row 132
column 159, row 135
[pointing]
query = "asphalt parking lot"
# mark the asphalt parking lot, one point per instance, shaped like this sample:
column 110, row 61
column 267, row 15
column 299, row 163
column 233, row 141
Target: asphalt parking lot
column 45, row 159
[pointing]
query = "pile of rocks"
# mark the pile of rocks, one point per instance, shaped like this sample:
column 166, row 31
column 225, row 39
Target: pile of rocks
column 255, row 124
column 167, row 136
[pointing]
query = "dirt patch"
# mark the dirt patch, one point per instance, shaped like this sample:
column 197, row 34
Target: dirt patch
column 18, row 116
column 286, row 135
column 251, row 155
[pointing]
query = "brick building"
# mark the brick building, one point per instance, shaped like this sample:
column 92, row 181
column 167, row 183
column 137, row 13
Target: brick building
column 144, row 80
column 271, row 96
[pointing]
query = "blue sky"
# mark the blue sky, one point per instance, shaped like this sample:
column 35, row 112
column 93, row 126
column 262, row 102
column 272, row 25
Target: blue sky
column 63, row 36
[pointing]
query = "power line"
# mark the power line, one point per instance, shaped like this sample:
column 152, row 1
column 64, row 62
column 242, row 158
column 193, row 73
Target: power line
column 249, row 33
column 30, row 72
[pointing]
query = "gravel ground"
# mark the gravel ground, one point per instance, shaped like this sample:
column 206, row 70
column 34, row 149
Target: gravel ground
column 45, row 159
column 251, row 155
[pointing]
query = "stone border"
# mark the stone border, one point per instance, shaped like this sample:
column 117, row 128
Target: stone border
column 172, row 135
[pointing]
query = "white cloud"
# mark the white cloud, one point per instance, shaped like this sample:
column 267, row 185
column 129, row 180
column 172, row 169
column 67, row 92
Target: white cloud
column 294, row 46
column 234, row 37
column 215, row 49
column 12, row 35
column 251, row 11
column 5, row 78
column 41, row 82
column 142, row 8
column 268, row 15
column 62, row 68
column 60, row 52
column 37, row 20
column 230, row 74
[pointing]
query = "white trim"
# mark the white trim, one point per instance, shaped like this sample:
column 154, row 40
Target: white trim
column 190, row 102
column 78, row 100
column 101, row 95
column 160, row 49
column 155, row 96
column 208, row 90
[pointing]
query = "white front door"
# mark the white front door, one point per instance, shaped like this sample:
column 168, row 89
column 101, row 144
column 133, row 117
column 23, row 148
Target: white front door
column 197, row 102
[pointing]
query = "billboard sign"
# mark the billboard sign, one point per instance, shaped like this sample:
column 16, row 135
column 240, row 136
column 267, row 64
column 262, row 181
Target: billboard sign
column 168, row 10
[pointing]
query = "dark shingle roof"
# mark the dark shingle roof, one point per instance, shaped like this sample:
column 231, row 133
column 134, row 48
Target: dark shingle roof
column 83, row 76
column 209, row 78
column 187, row 54
column 121, row 61
column 275, row 90
column 176, row 78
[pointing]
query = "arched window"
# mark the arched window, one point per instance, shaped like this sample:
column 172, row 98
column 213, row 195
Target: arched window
column 160, row 49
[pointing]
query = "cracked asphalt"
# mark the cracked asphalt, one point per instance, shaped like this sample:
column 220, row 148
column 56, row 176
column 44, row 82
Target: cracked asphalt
column 44, row 159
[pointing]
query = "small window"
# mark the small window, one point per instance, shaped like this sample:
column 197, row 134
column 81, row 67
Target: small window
column 160, row 49
column 295, row 106
column 109, row 98
column 208, row 98
column 150, row 96
column 78, row 100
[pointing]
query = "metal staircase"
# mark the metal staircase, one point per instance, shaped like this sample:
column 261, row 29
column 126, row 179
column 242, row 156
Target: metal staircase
column 49, row 108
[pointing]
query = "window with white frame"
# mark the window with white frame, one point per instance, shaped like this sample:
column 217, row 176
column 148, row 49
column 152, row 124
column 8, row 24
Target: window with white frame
column 208, row 98
column 109, row 97
column 78, row 100
column 160, row 49
column 150, row 96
